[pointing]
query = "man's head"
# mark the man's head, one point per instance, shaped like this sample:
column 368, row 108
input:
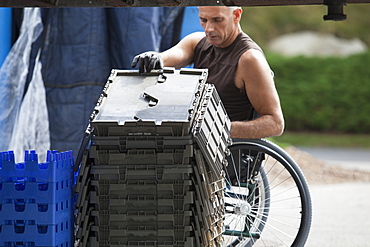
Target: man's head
column 220, row 24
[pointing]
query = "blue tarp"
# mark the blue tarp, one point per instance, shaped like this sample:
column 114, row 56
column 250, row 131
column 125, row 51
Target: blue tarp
column 5, row 32
column 79, row 47
column 190, row 22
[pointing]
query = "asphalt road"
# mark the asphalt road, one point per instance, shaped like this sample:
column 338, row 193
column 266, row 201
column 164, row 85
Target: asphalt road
column 358, row 159
column 341, row 212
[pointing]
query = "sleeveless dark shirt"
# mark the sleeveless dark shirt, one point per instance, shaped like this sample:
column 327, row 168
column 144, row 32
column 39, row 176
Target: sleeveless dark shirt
column 221, row 64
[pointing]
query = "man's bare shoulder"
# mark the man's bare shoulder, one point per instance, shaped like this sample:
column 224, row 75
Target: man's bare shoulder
column 252, row 68
column 252, row 56
column 254, row 60
column 189, row 42
column 194, row 38
column 197, row 35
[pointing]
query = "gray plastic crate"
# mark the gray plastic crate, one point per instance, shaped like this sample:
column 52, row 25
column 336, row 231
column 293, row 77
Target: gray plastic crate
column 211, row 208
column 125, row 143
column 162, row 190
column 143, row 157
column 152, row 174
column 163, row 104
column 212, row 129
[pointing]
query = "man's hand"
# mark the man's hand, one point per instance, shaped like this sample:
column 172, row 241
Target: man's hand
column 147, row 61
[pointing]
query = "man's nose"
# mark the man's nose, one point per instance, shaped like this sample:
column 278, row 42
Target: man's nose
column 208, row 27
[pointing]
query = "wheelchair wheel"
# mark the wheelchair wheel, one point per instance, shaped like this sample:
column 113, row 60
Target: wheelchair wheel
column 267, row 200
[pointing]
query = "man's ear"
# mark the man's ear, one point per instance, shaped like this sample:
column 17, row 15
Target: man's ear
column 238, row 14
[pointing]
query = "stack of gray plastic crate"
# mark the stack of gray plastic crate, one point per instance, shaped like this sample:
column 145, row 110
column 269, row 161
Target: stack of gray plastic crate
column 152, row 174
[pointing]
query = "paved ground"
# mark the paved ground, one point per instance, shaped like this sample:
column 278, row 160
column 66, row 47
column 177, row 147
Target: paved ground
column 341, row 212
column 341, row 215
column 348, row 158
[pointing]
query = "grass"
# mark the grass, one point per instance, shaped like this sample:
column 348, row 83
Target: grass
column 316, row 139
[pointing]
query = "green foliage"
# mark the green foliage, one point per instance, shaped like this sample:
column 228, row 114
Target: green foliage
column 324, row 94
column 265, row 23
column 317, row 94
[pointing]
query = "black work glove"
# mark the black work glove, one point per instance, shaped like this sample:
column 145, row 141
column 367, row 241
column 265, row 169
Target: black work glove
column 147, row 61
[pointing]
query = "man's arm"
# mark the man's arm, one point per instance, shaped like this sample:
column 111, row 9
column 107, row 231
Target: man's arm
column 254, row 75
column 182, row 53
column 178, row 56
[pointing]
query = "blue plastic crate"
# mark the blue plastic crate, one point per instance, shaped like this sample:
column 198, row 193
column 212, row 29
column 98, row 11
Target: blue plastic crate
column 58, row 167
column 29, row 233
column 41, row 192
column 37, row 200
column 42, row 213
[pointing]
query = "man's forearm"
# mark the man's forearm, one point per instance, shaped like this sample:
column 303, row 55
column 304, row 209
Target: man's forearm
column 262, row 127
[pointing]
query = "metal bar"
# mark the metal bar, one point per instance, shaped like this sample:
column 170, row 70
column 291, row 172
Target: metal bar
column 156, row 3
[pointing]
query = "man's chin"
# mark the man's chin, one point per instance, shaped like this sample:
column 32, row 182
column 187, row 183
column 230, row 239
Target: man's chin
column 213, row 41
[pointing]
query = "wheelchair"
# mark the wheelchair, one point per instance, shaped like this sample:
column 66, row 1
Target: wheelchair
column 267, row 200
